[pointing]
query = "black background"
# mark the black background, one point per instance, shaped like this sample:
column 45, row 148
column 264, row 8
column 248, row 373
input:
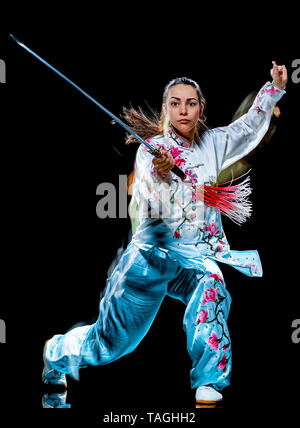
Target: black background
column 56, row 145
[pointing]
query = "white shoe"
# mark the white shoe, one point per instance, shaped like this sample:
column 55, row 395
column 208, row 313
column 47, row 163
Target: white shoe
column 207, row 394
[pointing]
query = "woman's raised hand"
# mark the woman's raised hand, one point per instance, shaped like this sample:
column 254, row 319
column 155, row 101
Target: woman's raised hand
column 279, row 75
column 164, row 164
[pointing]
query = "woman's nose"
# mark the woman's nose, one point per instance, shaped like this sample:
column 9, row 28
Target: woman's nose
column 183, row 109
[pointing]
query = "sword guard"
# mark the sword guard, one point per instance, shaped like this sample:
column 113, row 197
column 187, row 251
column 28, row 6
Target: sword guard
column 157, row 153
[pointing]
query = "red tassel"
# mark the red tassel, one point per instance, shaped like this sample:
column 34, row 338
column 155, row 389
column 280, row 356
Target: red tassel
column 230, row 201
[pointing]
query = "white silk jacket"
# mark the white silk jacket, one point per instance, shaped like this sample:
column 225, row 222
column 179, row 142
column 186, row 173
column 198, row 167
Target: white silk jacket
column 173, row 221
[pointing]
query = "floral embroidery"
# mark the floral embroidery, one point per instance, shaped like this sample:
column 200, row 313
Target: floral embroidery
column 191, row 175
column 214, row 341
column 175, row 152
column 194, row 195
column 212, row 229
column 210, row 295
column 268, row 88
column 177, row 234
column 216, row 276
column 178, row 139
column 214, row 238
column 179, row 162
column 272, row 91
column 202, row 316
column 223, row 363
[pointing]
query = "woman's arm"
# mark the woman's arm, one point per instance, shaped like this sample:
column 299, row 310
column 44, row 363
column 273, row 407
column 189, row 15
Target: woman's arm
column 235, row 141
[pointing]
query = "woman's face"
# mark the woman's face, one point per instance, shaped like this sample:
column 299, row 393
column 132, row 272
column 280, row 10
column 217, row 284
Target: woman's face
column 183, row 109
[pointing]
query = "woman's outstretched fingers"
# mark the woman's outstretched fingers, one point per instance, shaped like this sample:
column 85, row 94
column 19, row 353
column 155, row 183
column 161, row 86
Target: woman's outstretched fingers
column 284, row 73
column 279, row 75
column 274, row 70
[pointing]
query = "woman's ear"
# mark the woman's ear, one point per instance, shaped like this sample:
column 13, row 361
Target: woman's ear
column 201, row 111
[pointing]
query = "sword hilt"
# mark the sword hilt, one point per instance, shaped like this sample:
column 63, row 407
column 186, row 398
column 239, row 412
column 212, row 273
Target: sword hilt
column 176, row 170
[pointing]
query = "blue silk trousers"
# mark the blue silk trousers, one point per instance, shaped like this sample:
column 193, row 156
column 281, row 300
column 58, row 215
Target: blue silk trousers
column 134, row 293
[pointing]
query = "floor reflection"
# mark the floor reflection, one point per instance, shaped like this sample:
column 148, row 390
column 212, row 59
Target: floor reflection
column 55, row 400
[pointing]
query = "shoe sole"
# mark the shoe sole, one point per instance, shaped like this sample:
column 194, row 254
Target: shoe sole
column 208, row 402
column 209, row 406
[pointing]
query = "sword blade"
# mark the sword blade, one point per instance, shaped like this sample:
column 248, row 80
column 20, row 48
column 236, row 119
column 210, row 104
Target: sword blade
column 115, row 118
column 154, row 151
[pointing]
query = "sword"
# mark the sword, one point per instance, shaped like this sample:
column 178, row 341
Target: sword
column 155, row 152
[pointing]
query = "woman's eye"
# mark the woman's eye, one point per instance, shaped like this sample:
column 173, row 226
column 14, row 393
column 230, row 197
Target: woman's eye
column 192, row 104
column 174, row 104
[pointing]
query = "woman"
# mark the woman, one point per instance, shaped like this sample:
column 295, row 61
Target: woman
column 177, row 242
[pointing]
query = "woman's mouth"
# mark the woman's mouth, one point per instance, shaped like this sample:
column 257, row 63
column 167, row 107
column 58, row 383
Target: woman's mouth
column 183, row 121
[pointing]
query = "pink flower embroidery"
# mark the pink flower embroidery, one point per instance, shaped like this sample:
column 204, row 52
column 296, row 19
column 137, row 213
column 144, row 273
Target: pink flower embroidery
column 223, row 363
column 177, row 234
column 193, row 176
column 212, row 229
column 179, row 162
column 210, row 295
column 225, row 347
column 257, row 100
column 272, row 90
column 216, row 276
column 213, row 341
column 219, row 248
column 202, row 316
column 175, row 152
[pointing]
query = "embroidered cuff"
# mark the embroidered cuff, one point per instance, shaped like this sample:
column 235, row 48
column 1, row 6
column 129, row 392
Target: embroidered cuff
column 267, row 97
